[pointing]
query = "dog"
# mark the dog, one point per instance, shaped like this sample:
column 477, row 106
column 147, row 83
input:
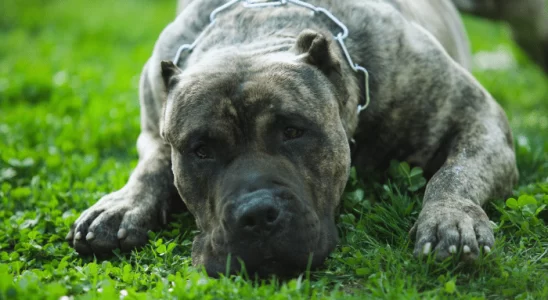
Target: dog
column 251, row 128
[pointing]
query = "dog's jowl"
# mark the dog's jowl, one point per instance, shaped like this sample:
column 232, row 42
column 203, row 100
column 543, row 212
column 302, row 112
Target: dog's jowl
column 251, row 130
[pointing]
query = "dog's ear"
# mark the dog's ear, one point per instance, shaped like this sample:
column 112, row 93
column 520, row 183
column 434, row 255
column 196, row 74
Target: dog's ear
column 169, row 74
column 314, row 48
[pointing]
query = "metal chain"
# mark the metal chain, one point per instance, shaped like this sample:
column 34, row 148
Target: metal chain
column 339, row 37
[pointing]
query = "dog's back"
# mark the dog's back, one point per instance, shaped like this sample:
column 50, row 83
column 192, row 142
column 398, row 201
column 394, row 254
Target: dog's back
column 439, row 17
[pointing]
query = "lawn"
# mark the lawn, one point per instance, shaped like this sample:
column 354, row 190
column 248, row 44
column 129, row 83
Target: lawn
column 69, row 119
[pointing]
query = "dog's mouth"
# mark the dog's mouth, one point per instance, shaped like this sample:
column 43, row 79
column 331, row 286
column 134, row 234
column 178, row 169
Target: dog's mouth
column 271, row 266
column 266, row 267
column 302, row 244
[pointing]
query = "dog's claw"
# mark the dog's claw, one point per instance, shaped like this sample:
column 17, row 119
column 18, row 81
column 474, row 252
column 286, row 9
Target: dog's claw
column 122, row 234
column 427, row 248
column 487, row 249
column 452, row 249
column 78, row 236
column 69, row 236
column 90, row 236
column 466, row 249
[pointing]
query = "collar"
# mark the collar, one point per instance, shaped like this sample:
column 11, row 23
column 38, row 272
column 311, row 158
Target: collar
column 339, row 37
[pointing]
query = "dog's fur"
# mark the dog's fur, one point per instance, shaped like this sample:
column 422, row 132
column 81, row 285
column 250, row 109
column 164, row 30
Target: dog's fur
column 251, row 130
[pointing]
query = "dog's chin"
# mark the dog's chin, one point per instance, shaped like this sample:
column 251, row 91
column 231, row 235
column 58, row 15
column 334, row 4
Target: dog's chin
column 284, row 257
column 280, row 267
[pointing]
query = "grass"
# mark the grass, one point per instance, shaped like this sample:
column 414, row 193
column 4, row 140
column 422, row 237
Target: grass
column 69, row 119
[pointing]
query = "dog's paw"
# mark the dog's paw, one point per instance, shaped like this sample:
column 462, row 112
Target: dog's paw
column 447, row 229
column 118, row 220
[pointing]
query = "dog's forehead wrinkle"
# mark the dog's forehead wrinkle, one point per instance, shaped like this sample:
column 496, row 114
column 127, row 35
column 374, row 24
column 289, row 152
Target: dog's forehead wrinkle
column 273, row 95
column 197, row 107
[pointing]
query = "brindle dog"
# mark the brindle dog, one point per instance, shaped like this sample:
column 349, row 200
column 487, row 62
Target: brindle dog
column 252, row 132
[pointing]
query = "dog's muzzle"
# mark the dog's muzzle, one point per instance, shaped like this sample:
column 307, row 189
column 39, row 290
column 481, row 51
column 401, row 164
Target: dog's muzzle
column 266, row 224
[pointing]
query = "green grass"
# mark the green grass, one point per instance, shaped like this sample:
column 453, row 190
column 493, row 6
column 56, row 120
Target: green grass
column 69, row 119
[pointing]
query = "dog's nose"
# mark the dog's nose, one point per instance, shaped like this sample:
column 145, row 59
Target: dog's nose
column 259, row 216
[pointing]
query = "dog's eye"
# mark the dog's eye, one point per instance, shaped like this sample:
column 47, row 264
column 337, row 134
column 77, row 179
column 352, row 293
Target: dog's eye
column 291, row 133
column 202, row 152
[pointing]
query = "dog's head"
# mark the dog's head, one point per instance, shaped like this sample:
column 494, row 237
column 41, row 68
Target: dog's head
column 260, row 154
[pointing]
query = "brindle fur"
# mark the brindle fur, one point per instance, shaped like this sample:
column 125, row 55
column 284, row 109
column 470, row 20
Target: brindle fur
column 258, row 71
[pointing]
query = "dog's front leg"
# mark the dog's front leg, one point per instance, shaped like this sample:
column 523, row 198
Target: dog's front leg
column 480, row 165
column 121, row 219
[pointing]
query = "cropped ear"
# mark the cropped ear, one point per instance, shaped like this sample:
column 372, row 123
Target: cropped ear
column 169, row 74
column 316, row 51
